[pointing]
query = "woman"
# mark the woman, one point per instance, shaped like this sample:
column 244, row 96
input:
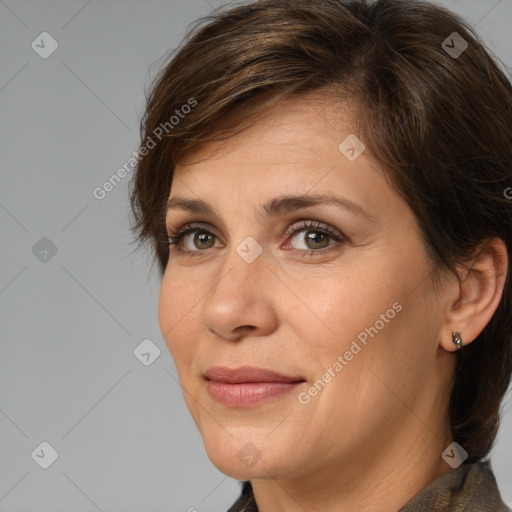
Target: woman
column 324, row 184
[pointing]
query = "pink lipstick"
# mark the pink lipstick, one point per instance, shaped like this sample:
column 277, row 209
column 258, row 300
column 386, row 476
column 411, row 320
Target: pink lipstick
column 248, row 385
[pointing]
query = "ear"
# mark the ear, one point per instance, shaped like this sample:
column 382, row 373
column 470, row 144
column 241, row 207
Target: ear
column 476, row 293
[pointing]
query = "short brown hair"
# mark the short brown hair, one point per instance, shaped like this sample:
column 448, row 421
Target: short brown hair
column 439, row 123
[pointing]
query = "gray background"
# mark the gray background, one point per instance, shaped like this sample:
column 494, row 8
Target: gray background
column 71, row 320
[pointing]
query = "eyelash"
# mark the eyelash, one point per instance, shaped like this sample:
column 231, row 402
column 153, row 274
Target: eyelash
column 175, row 238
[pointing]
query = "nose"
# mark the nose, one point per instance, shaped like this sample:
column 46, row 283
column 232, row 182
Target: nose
column 241, row 301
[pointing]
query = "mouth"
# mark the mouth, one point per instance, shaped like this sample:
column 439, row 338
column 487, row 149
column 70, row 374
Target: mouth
column 248, row 385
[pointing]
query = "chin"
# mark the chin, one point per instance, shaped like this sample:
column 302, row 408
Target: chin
column 241, row 458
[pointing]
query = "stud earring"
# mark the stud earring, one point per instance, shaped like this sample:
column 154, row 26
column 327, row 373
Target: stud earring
column 456, row 338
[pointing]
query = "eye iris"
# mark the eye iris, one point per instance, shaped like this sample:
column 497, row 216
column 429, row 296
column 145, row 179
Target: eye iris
column 201, row 238
column 316, row 239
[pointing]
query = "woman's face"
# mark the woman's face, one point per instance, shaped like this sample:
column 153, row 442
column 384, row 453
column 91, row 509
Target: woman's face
column 301, row 260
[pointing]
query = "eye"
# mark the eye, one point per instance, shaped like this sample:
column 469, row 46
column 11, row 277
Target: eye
column 313, row 237
column 308, row 237
column 192, row 238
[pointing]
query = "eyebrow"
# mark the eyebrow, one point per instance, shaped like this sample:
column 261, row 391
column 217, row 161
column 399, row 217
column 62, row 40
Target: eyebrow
column 274, row 207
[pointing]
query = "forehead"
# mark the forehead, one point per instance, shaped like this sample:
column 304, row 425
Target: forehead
column 292, row 122
column 301, row 135
column 297, row 148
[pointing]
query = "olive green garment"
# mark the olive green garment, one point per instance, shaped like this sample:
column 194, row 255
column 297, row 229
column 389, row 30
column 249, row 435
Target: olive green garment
column 468, row 488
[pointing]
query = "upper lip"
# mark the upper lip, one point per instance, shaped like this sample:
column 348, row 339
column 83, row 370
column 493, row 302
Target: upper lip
column 247, row 374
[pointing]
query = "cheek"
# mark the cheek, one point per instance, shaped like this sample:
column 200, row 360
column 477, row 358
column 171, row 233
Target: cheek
column 178, row 305
column 373, row 312
column 347, row 303
column 371, row 366
column 387, row 343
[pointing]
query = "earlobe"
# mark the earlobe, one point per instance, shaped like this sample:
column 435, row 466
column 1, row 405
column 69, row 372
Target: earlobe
column 478, row 292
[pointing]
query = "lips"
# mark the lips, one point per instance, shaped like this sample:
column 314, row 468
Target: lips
column 247, row 374
column 248, row 386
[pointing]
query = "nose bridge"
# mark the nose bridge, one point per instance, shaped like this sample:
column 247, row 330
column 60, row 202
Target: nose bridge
column 244, row 266
column 239, row 297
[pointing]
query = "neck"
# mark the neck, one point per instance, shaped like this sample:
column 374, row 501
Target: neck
column 385, row 482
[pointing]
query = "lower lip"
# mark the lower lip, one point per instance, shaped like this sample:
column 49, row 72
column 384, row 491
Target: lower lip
column 248, row 393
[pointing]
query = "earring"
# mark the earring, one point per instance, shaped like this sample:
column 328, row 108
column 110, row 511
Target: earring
column 456, row 338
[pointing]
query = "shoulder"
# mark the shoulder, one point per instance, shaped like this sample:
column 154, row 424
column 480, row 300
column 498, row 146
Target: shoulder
column 470, row 487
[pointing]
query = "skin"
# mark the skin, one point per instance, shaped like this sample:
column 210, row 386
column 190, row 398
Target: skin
column 372, row 438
